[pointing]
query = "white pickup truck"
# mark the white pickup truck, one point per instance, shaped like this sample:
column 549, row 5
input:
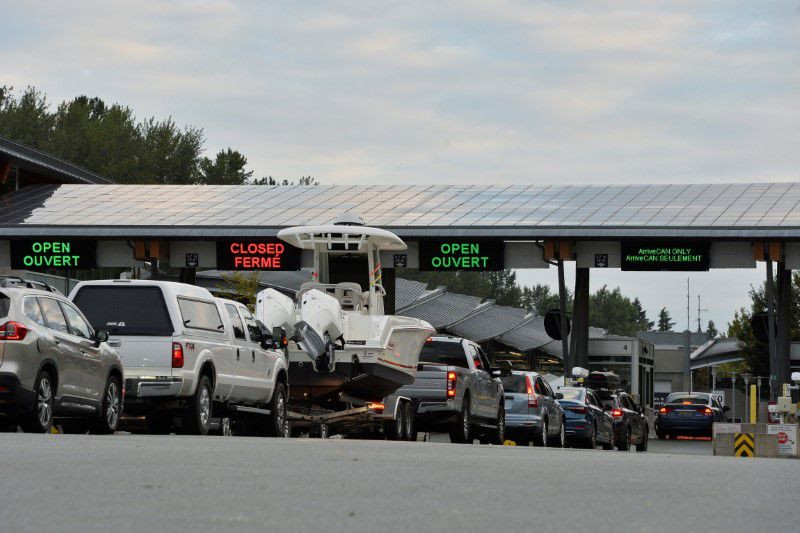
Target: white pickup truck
column 189, row 357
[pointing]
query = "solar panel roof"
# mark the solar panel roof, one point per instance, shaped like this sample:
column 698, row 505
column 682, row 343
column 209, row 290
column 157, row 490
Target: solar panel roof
column 739, row 210
column 59, row 169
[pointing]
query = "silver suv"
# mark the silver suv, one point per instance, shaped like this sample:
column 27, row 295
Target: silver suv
column 53, row 364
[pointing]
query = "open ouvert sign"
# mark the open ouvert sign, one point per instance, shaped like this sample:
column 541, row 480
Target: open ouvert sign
column 41, row 254
column 461, row 254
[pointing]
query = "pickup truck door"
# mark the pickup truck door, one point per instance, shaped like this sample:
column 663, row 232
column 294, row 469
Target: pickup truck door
column 262, row 361
column 242, row 368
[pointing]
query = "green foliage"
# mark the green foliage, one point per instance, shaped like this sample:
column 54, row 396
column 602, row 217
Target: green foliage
column 711, row 330
column 269, row 180
column 665, row 322
column 108, row 139
column 540, row 299
column 755, row 353
column 226, row 169
column 611, row 310
column 244, row 286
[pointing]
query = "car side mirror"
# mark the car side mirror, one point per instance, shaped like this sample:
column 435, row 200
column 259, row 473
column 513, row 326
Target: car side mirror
column 559, row 396
column 100, row 336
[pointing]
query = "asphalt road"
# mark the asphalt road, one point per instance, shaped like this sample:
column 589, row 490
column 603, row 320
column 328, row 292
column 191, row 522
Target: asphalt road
column 179, row 483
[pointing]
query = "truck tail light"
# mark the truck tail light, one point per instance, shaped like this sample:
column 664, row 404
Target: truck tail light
column 616, row 413
column 664, row 411
column 533, row 400
column 706, row 411
column 13, row 331
column 451, row 384
column 177, row 355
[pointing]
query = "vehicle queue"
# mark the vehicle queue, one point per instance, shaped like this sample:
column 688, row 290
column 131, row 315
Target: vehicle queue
column 194, row 363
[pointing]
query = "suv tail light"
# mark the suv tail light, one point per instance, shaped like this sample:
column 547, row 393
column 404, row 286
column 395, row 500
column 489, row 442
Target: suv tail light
column 533, row 400
column 706, row 411
column 177, row 355
column 12, row 331
column 451, row 384
column 616, row 413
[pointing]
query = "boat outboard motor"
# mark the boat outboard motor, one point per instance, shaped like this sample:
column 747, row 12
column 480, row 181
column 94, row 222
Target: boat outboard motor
column 319, row 327
column 275, row 310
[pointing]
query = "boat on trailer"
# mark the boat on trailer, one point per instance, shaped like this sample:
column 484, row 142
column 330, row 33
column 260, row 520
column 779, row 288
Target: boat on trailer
column 344, row 347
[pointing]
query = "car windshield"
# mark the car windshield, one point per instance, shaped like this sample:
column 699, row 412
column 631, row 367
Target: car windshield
column 125, row 310
column 515, row 383
column 444, row 353
column 5, row 304
column 572, row 394
column 687, row 398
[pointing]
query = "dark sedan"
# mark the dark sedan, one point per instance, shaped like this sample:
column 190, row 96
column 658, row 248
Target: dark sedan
column 689, row 413
column 586, row 423
column 630, row 424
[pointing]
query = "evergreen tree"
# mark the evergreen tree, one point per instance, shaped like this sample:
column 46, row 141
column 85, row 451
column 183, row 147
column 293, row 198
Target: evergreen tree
column 665, row 322
column 712, row 330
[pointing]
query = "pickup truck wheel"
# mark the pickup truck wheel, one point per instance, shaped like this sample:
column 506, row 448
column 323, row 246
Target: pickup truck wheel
column 108, row 420
column 197, row 420
column 498, row 434
column 461, row 430
column 278, row 425
column 408, row 422
column 394, row 429
column 40, row 419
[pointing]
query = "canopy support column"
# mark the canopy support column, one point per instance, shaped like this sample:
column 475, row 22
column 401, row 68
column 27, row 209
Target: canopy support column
column 784, row 318
column 579, row 342
column 562, row 300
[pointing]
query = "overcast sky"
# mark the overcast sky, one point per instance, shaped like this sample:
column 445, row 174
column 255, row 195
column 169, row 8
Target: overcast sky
column 493, row 92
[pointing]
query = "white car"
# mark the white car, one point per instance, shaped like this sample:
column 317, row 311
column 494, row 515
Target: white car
column 189, row 356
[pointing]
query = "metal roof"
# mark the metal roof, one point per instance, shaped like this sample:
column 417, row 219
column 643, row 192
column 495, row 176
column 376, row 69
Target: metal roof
column 48, row 165
column 408, row 291
column 732, row 211
column 489, row 322
column 528, row 335
column 442, row 308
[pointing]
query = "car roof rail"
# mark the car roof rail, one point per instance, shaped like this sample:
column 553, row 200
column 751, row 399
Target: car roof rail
column 19, row 282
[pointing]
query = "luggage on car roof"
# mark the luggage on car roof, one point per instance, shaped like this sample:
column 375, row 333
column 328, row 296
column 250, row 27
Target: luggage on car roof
column 603, row 380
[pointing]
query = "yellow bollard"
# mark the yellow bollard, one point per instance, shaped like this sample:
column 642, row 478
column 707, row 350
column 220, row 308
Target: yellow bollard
column 753, row 404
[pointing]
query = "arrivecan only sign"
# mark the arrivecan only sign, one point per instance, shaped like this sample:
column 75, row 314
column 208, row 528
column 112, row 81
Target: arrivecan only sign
column 665, row 256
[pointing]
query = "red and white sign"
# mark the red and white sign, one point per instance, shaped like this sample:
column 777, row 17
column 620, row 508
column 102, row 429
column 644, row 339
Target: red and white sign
column 786, row 435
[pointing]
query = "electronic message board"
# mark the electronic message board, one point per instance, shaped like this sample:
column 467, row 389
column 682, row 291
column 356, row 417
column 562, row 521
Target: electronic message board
column 257, row 254
column 461, row 254
column 40, row 254
column 665, row 255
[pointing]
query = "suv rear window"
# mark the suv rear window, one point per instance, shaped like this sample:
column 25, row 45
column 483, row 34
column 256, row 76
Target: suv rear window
column 5, row 304
column 515, row 383
column 125, row 310
column 444, row 353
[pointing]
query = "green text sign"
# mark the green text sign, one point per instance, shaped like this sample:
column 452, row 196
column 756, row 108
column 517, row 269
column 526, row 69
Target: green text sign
column 461, row 254
column 41, row 254
column 675, row 256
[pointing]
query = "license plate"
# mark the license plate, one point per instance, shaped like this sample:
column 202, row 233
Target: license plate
column 685, row 413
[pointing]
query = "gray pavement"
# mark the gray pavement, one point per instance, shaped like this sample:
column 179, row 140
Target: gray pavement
column 182, row 483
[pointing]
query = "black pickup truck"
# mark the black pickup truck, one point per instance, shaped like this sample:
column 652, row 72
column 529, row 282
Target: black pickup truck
column 455, row 391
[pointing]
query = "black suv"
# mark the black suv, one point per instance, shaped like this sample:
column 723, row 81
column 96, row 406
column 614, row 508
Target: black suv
column 630, row 424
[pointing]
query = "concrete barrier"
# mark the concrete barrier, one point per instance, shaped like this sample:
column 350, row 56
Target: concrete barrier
column 769, row 440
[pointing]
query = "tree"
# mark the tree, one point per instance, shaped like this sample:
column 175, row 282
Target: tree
column 226, row 169
column 244, row 286
column 269, row 180
column 754, row 352
column 26, row 119
column 504, row 289
column 665, row 322
column 540, row 299
column 611, row 310
column 711, row 330
column 641, row 316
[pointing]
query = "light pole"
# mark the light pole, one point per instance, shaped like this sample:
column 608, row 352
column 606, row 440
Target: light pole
column 746, row 378
column 733, row 396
